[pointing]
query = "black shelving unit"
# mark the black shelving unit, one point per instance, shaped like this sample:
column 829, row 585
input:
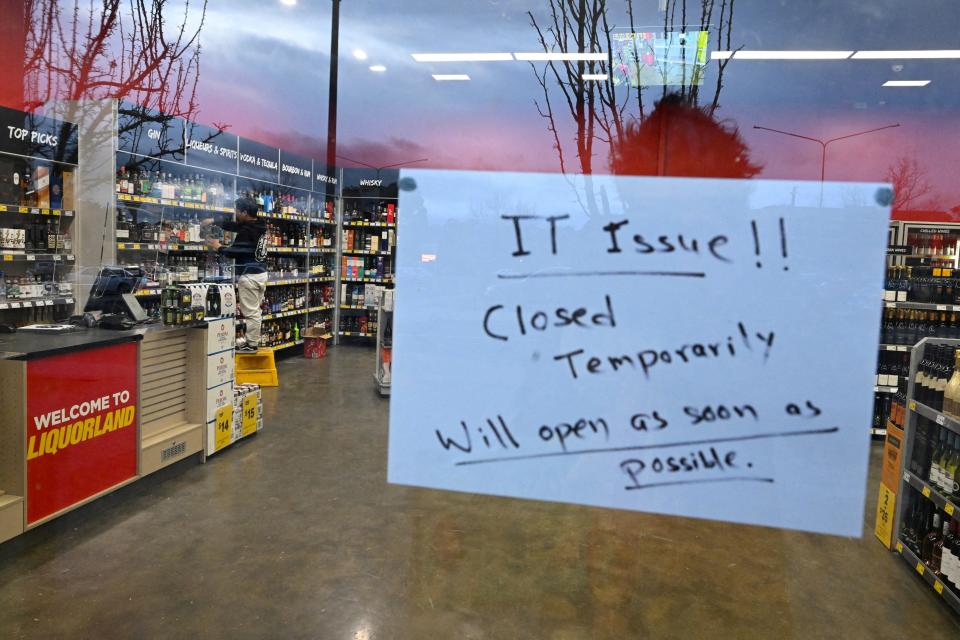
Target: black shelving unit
column 366, row 249
column 38, row 185
column 173, row 174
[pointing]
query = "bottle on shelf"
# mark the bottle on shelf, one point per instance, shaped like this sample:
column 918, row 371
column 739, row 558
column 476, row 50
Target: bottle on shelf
column 930, row 540
column 951, row 393
column 936, row 555
column 933, row 473
column 951, row 474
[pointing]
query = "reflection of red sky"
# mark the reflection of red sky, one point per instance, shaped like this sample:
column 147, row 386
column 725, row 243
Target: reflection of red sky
column 519, row 141
column 523, row 144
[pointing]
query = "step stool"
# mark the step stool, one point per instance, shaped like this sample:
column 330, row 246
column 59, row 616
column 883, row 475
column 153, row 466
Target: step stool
column 257, row 368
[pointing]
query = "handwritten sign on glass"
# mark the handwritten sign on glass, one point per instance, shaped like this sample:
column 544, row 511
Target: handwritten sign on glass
column 704, row 348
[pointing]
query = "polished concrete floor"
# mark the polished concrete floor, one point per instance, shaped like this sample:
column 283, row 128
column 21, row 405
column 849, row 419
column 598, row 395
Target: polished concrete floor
column 295, row 534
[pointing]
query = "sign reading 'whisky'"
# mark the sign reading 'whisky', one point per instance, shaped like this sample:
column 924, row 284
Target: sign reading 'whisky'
column 679, row 346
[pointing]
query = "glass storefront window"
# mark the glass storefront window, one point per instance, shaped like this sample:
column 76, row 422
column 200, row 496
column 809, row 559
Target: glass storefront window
column 499, row 318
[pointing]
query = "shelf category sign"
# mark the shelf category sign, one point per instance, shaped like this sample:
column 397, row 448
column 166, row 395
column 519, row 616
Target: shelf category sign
column 148, row 132
column 296, row 171
column 211, row 148
column 81, row 428
column 258, row 161
column 669, row 345
column 28, row 134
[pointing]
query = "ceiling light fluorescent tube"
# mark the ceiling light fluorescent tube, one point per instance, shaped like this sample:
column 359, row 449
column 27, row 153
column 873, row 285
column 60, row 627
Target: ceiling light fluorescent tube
column 792, row 55
column 440, row 77
column 907, row 54
column 542, row 56
column 461, row 57
column 906, row 83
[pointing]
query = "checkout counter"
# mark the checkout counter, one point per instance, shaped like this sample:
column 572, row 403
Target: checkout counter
column 88, row 412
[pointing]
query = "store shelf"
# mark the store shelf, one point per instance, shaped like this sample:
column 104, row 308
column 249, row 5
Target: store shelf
column 359, row 307
column 366, row 253
column 951, row 424
column 160, row 246
column 36, row 211
column 293, row 217
column 373, row 280
column 921, row 255
column 357, row 334
column 884, row 389
column 362, row 223
column 932, row 494
column 895, row 347
column 285, row 281
column 296, row 312
column 911, row 559
column 300, row 250
column 382, row 387
column 927, row 306
column 323, row 221
column 285, row 345
column 23, row 256
column 36, row 302
column 123, row 197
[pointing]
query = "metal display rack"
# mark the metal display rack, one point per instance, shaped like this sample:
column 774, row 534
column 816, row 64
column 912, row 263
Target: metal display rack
column 916, row 487
column 382, row 375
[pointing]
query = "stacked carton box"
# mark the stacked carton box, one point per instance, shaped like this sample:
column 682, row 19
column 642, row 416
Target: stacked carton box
column 221, row 339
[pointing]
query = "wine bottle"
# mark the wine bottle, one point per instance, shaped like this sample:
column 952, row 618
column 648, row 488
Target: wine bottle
column 929, row 540
column 951, row 394
column 936, row 555
column 934, row 471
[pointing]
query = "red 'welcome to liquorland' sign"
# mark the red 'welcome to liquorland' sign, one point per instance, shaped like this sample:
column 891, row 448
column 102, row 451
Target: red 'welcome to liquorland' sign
column 81, row 426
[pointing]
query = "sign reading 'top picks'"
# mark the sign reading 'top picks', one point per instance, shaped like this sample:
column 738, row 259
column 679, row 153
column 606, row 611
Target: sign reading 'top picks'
column 694, row 347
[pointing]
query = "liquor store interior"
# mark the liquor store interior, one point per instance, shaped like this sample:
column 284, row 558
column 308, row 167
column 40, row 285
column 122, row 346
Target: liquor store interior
column 203, row 431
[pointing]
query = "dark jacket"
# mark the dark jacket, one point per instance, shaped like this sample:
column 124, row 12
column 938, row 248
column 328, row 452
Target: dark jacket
column 249, row 247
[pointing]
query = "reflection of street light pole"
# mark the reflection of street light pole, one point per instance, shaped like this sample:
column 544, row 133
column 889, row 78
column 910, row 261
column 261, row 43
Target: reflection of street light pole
column 332, row 103
column 823, row 143
column 379, row 169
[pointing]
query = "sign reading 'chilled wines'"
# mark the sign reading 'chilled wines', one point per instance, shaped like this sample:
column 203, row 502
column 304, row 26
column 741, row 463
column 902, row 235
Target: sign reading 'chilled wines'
column 693, row 347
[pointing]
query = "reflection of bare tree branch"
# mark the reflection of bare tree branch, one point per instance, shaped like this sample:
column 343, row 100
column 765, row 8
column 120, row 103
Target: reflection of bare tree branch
column 725, row 10
column 548, row 115
column 114, row 55
column 636, row 61
column 911, row 188
column 599, row 110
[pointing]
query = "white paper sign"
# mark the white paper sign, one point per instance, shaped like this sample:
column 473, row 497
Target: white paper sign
column 704, row 348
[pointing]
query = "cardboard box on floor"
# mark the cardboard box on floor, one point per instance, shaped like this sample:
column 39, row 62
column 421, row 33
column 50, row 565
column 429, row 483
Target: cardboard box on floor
column 315, row 343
